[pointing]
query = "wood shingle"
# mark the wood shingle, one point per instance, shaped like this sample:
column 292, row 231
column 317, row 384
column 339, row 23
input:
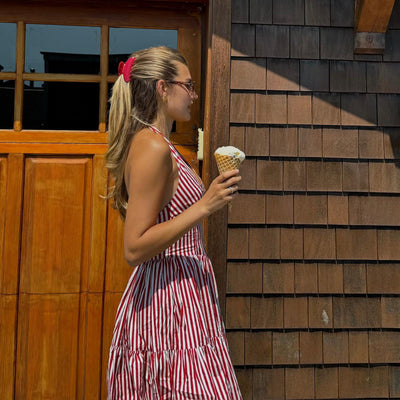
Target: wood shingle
column 318, row 218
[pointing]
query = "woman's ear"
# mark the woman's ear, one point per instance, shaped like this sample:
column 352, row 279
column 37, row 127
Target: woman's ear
column 162, row 88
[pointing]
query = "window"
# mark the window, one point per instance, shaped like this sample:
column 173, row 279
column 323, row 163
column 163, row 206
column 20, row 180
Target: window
column 54, row 49
column 61, row 81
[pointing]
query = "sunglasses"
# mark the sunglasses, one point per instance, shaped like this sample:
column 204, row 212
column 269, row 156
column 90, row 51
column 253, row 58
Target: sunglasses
column 188, row 85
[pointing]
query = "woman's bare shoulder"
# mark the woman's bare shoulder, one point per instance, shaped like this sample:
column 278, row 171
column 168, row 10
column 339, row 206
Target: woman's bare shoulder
column 148, row 152
column 150, row 143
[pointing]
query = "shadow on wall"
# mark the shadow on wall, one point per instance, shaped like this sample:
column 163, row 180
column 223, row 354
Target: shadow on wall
column 297, row 67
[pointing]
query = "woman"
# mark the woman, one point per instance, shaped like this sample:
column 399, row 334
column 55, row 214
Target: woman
column 169, row 340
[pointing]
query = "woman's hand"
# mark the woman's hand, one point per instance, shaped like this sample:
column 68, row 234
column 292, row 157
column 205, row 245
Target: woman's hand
column 221, row 191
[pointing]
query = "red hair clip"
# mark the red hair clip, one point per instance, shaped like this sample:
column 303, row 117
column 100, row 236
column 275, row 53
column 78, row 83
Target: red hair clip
column 125, row 68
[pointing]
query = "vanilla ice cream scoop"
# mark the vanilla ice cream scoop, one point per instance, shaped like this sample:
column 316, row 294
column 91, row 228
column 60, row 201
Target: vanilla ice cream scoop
column 228, row 158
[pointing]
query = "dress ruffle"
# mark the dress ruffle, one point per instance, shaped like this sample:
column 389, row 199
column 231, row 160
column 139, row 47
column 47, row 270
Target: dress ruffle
column 199, row 373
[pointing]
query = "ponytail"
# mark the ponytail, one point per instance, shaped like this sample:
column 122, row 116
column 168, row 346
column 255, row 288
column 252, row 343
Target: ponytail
column 134, row 106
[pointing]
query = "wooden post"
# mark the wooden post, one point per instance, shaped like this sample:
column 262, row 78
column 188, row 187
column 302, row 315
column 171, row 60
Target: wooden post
column 218, row 128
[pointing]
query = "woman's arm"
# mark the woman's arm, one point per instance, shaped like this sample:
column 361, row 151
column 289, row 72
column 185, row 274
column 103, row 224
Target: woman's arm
column 150, row 185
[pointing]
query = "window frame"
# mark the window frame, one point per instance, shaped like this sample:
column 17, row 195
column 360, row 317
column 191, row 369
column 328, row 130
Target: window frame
column 185, row 18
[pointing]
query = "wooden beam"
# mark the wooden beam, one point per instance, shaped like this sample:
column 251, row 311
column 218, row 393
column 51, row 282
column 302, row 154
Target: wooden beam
column 7, row 76
column 101, row 12
column 373, row 15
column 34, row 136
column 371, row 21
column 52, row 77
column 369, row 43
column 53, row 148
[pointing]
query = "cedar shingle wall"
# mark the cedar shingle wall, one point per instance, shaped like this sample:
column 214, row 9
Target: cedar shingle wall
column 313, row 271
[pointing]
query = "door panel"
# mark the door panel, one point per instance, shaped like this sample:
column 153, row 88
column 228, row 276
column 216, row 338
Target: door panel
column 90, row 337
column 118, row 270
column 54, row 230
column 9, row 268
column 8, row 303
column 8, row 319
column 3, row 192
column 47, row 355
column 98, row 226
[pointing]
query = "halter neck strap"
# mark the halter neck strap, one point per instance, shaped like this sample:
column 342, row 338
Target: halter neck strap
column 156, row 130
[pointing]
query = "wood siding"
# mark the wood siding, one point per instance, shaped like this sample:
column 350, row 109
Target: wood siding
column 313, row 260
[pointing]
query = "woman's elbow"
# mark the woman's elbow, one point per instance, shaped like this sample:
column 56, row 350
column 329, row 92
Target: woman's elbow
column 132, row 256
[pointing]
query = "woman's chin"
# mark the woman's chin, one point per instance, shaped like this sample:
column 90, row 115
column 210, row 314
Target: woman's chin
column 185, row 118
column 181, row 116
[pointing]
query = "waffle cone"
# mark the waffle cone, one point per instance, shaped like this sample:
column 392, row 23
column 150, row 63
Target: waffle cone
column 226, row 163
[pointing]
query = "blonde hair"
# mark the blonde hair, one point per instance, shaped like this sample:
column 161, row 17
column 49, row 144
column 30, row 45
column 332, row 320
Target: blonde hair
column 134, row 105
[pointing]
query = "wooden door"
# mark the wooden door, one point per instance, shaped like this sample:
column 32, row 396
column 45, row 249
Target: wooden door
column 62, row 270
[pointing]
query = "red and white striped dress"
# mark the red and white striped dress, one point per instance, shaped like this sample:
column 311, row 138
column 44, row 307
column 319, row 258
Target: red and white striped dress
column 169, row 339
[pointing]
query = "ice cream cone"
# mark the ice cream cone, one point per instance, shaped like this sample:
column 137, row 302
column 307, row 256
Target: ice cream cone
column 228, row 158
column 226, row 163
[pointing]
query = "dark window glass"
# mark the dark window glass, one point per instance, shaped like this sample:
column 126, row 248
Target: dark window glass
column 7, row 90
column 61, row 105
column 8, row 45
column 125, row 41
column 62, row 49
